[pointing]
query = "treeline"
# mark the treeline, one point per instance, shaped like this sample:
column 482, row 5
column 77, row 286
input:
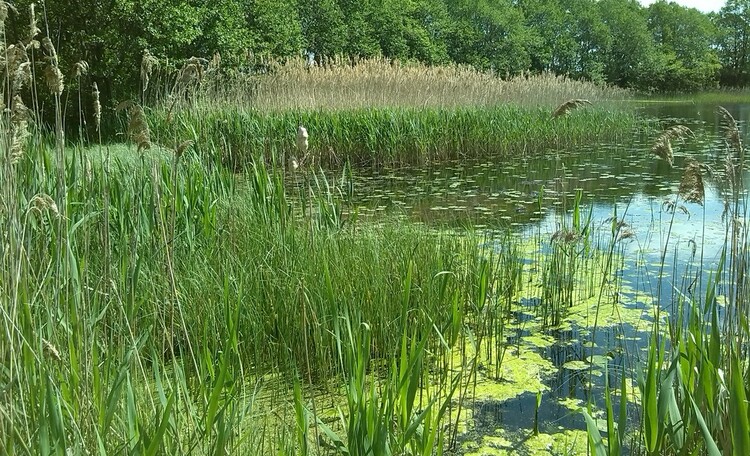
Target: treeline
column 665, row 47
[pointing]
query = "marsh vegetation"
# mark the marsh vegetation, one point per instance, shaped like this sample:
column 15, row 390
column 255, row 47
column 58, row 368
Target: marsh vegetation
column 187, row 291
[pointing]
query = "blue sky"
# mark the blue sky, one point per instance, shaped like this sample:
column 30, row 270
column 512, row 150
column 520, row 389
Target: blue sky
column 702, row 5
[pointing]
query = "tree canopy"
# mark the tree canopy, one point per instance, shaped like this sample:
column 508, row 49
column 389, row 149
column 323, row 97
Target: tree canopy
column 663, row 47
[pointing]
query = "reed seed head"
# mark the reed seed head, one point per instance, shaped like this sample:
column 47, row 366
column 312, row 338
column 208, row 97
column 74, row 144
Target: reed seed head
column 731, row 129
column 81, row 68
column 569, row 105
column 52, row 73
column 662, row 148
column 42, row 202
column 51, row 351
column 54, row 78
column 21, row 76
column 33, row 27
column 4, row 8
column 138, row 127
column 180, row 149
column 51, row 51
column 148, row 62
column 97, row 107
column 19, row 126
column 691, row 186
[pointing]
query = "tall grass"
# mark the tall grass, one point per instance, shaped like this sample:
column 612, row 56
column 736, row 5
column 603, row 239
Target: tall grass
column 380, row 83
column 152, row 301
column 377, row 112
column 389, row 137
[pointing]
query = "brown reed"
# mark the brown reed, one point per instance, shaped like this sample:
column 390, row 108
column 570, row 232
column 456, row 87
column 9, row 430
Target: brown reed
column 138, row 130
column 19, row 126
column 52, row 73
column 692, row 189
column 569, row 106
column 662, row 146
column 380, row 82
column 731, row 129
column 97, row 107
column 148, row 63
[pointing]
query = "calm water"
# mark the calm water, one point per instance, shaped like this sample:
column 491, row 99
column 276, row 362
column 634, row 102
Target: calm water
column 530, row 196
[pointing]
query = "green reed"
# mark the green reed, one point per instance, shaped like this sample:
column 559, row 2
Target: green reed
column 388, row 136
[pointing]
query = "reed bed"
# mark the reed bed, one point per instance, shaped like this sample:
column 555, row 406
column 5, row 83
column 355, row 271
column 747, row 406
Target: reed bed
column 390, row 137
column 382, row 83
column 152, row 301
column 376, row 112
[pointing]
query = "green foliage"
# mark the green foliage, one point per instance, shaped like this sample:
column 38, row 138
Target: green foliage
column 733, row 22
column 664, row 47
column 275, row 27
column 684, row 37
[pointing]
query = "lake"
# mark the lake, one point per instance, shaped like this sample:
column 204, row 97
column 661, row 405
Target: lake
column 532, row 197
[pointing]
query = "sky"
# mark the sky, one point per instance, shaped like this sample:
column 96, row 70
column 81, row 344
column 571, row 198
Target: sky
column 702, row 5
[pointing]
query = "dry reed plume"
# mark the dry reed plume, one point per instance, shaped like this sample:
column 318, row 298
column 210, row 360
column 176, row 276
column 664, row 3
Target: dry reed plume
column 731, row 130
column 33, row 27
column 569, row 106
column 19, row 127
column 42, row 202
column 138, row 130
column 692, row 189
column 148, row 62
column 52, row 73
column 97, row 107
column 180, row 149
column 662, row 147
column 378, row 82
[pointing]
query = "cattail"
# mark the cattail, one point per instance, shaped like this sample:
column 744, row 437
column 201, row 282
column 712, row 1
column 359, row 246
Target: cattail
column 148, row 62
column 568, row 106
column 691, row 186
column 19, row 125
column 97, row 108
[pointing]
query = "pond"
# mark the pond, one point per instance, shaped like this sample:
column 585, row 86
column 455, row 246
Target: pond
column 533, row 197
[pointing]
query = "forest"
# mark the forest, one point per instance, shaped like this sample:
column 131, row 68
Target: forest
column 661, row 48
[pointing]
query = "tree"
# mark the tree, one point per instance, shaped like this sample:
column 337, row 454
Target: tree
column 631, row 59
column 733, row 24
column 274, row 26
column 554, row 47
column 323, row 27
column 489, row 35
column 683, row 37
column 592, row 37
